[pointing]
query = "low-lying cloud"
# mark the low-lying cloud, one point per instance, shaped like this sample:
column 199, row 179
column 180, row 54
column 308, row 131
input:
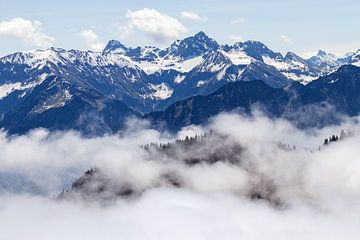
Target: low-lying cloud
column 271, row 175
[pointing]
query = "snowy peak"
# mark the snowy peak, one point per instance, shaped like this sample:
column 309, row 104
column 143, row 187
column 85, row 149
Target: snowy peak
column 115, row 47
column 205, row 39
column 57, row 57
column 252, row 44
column 324, row 55
column 214, row 62
column 290, row 56
column 355, row 54
column 324, row 60
column 257, row 50
column 191, row 47
column 321, row 53
column 143, row 53
column 35, row 58
column 355, row 59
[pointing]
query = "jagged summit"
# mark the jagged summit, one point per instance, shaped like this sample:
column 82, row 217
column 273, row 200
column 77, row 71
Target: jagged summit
column 192, row 46
column 326, row 62
column 202, row 36
column 114, row 45
column 322, row 53
column 257, row 50
column 253, row 43
column 293, row 57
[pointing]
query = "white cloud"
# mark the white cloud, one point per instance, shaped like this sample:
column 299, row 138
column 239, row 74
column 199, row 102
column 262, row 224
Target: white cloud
column 92, row 40
column 319, row 187
column 125, row 31
column 286, row 39
column 29, row 32
column 193, row 16
column 239, row 20
column 159, row 27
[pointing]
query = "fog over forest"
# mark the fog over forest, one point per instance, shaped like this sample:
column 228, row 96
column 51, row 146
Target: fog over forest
column 273, row 181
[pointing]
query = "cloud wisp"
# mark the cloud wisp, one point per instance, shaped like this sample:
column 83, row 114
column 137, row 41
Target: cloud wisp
column 192, row 16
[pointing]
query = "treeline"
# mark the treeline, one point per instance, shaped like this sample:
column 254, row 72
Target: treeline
column 187, row 141
column 335, row 138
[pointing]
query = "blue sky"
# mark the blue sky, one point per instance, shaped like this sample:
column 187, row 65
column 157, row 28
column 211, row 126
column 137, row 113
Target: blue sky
column 302, row 26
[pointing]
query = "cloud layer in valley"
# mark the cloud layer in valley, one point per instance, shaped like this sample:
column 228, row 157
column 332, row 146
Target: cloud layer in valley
column 317, row 189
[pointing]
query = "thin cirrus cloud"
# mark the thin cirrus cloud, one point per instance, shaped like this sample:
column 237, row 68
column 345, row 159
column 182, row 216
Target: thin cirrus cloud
column 27, row 31
column 160, row 27
column 92, row 40
column 192, row 16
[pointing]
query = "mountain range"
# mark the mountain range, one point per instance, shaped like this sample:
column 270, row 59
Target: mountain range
column 321, row 102
column 185, row 83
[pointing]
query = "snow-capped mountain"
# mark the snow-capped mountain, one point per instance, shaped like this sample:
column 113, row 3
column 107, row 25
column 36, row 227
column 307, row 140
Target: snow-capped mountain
column 148, row 78
column 355, row 58
column 326, row 62
column 114, row 46
column 113, row 75
column 191, row 47
column 319, row 102
column 57, row 104
column 145, row 78
column 185, row 55
column 182, row 55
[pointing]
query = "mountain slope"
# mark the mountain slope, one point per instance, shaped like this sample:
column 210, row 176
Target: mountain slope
column 340, row 90
column 242, row 95
column 59, row 105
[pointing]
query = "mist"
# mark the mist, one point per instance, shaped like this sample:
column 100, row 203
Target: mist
column 274, row 181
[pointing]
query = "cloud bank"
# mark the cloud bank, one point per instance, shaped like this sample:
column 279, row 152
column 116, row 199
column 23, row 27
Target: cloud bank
column 317, row 186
